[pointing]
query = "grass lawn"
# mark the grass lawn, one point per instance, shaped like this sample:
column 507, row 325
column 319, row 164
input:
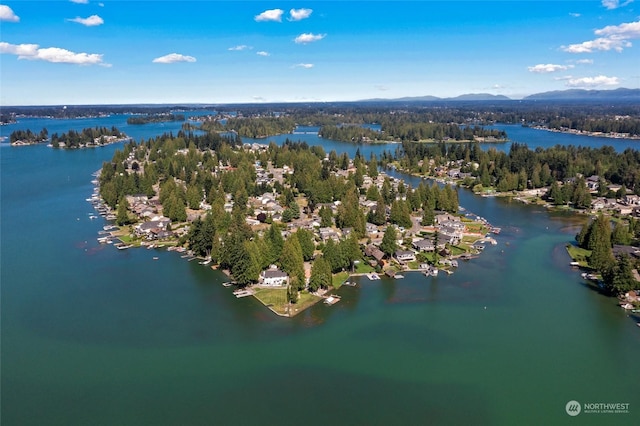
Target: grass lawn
column 364, row 267
column 456, row 251
column 275, row 298
column 305, row 300
column 339, row 278
column 579, row 254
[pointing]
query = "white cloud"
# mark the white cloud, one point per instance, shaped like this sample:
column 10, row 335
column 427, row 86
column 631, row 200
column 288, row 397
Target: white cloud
column 381, row 87
column 614, row 4
column 299, row 14
column 33, row 52
column 6, row 14
column 613, row 37
column 601, row 43
column 623, row 31
column 240, row 48
column 306, row 66
column 91, row 21
column 548, row 68
column 270, row 15
column 309, row 38
column 565, row 77
column 584, row 61
column 575, row 15
column 80, row 1
column 263, row 53
column 600, row 80
column 172, row 58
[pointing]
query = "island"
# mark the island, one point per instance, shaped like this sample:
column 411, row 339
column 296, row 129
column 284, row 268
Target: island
column 154, row 118
column 289, row 224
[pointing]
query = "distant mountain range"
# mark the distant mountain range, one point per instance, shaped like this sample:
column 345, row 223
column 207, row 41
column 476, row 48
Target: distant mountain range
column 557, row 95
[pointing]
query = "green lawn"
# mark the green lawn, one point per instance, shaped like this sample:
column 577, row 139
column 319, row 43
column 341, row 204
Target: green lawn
column 339, row 278
column 276, row 299
column 579, row 254
column 364, row 268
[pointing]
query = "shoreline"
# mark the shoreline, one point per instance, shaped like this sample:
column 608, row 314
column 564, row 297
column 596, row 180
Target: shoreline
column 611, row 135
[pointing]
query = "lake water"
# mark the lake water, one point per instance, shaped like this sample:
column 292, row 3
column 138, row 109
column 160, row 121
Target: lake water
column 96, row 336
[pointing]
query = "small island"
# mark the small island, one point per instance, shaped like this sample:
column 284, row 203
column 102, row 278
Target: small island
column 289, row 224
column 155, row 118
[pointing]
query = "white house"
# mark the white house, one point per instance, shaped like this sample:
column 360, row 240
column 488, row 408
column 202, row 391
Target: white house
column 274, row 278
column 405, row 256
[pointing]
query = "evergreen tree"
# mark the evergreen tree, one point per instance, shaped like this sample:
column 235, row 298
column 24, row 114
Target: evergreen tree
column 619, row 279
column 332, row 255
column 320, row 274
column 275, row 242
column 122, row 217
column 326, row 217
column 389, row 244
column 308, row 246
column 428, row 215
column 620, row 234
column 292, row 261
column 379, row 215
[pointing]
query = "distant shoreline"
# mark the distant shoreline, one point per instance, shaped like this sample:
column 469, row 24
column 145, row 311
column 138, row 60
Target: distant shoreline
column 585, row 133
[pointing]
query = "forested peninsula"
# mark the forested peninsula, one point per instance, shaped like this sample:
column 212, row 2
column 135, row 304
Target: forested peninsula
column 154, row 118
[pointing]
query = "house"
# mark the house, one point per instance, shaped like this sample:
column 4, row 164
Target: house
column 273, row 278
column 371, row 229
column 405, row 256
column 445, row 217
column 631, row 200
column 598, row 204
column 593, row 182
column 373, row 251
column 424, row 245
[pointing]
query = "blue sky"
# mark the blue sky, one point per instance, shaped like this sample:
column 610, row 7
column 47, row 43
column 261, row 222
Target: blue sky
column 106, row 52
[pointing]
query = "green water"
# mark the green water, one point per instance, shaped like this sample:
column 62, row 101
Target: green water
column 96, row 336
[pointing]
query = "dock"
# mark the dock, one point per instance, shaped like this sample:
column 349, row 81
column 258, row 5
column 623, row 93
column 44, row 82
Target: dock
column 243, row 293
column 331, row 300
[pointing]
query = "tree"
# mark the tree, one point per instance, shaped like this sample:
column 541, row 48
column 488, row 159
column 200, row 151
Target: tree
column 122, row 217
column 379, row 215
column 326, row 217
column 389, row 244
column 292, row 261
column 332, row 255
column 619, row 279
column 350, row 250
column 621, row 234
column 320, row 274
column 400, row 214
column 428, row 215
column 308, row 246
column 275, row 242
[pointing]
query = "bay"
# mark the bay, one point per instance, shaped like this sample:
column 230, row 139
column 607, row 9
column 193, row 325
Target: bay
column 93, row 335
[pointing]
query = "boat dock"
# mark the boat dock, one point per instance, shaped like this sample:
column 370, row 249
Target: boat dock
column 243, row 293
column 331, row 300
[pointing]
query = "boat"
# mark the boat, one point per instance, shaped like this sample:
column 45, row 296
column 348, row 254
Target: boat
column 398, row 276
column 155, row 258
column 205, row 262
column 228, row 283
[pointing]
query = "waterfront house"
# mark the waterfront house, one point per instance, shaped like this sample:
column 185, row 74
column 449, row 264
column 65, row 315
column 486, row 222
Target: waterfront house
column 405, row 256
column 273, row 278
column 373, row 251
